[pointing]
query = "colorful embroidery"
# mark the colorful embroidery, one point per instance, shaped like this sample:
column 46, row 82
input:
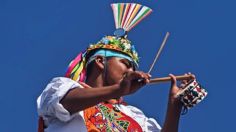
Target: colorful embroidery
column 104, row 117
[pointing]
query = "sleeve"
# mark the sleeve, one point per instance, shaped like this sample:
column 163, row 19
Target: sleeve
column 147, row 124
column 48, row 103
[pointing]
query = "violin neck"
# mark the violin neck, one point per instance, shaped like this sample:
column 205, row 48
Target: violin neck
column 167, row 79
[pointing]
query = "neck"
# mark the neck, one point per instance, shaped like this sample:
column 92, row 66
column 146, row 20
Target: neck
column 95, row 81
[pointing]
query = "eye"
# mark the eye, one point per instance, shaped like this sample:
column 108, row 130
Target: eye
column 127, row 63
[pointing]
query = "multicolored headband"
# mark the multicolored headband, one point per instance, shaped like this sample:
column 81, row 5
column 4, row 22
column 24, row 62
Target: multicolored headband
column 110, row 53
column 126, row 16
column 118, row 44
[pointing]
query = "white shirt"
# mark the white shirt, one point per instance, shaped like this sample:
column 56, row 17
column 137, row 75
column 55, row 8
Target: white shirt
column 58, row 119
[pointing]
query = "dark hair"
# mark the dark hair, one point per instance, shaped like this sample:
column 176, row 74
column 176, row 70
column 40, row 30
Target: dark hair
column 90, row 65
column 89, row 68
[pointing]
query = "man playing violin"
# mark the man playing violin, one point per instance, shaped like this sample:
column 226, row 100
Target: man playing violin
column 96, row 104
column 89, row 97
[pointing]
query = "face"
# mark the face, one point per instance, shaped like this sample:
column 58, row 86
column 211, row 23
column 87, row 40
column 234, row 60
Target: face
column 116, row 69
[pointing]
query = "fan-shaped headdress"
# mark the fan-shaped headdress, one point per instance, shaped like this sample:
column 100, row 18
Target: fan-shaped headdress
column 126, row 16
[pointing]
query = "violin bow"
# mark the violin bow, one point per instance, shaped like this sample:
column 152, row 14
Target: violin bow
column 164, row 79
column 159, row 52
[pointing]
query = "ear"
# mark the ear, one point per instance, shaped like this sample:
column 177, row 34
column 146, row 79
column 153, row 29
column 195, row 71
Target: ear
column 100, row 62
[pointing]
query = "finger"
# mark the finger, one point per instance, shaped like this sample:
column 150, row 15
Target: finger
column 136, row 75
column 149, row 75
column 139, row 78
column 173, row 80
column 139, row 75
column 184, row 82
column 145, row 77
column 192, row 76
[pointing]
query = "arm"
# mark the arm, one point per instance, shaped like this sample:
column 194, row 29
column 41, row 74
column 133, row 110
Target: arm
column 174, row 108
column 172, row 116
column 79, row 99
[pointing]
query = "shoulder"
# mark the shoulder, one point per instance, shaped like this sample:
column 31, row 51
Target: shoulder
column 59, row 82
column 63, row 80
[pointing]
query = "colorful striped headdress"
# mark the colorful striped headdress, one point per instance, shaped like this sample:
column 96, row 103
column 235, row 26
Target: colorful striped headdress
column 126, row 16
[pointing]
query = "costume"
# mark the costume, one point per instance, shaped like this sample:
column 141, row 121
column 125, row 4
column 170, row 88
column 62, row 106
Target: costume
column 58, row 119
column 113, row 115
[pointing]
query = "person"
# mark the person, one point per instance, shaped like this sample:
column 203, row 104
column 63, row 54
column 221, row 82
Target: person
column 89, row 97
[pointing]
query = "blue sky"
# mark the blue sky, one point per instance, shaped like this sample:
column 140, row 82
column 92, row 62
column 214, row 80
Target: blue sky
column 39, row 38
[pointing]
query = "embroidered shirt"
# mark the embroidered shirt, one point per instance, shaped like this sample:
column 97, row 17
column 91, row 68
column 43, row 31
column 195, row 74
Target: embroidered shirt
column 58, row 119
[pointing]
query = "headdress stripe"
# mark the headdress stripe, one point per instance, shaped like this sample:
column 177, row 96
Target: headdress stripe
column 121, row 9
column 134, row 12
column 142, row 14
column 127, row 6
column 114, row 8
column 128, row 16
column 118, row 15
